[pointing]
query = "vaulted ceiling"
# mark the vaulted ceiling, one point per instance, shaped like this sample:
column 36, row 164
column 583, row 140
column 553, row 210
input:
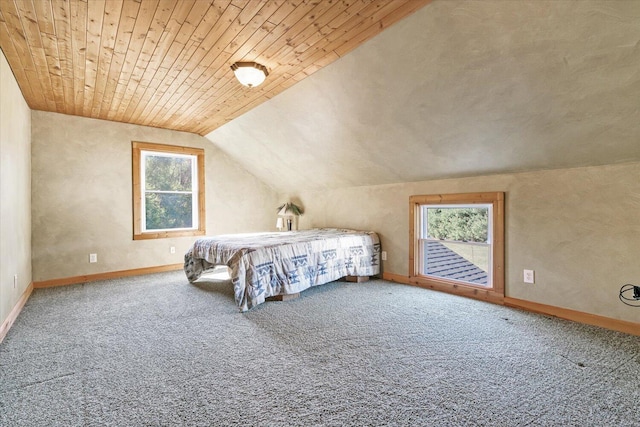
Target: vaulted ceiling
column 166, row 63
column 459, row 88
column 454, row 88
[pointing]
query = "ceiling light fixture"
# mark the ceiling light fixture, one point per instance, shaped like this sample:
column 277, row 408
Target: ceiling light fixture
column 250, row 74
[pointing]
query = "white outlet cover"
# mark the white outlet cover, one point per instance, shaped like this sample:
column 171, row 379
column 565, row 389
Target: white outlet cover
column 529, row 276
column 384, row 255
column 93, row 257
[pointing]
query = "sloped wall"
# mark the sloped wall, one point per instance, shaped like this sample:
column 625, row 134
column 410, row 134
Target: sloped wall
column 577, row 228
column 82, row 197
column 459, row 88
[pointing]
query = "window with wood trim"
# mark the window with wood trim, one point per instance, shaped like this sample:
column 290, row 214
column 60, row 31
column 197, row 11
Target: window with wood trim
column 457, row 243
column 168, row 191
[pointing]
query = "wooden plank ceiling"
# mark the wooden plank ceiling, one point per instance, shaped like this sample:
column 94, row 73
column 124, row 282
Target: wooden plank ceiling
column 166, row 63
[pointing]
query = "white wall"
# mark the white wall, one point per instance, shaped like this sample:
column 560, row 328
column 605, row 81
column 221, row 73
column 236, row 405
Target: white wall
column 82, row 197
column 15, row 191
column 579, row 229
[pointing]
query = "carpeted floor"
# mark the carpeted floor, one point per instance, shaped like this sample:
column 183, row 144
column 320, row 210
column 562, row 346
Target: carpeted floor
column 155, row 350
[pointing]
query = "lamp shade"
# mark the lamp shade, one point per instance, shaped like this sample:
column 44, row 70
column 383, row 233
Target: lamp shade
column 284, row 212
column 250, row 74
column 289, row 209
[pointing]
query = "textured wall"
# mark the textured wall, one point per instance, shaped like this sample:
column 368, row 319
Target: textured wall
column 579, row 229
column 460, row 88
column 82, row 201
column 15, row 191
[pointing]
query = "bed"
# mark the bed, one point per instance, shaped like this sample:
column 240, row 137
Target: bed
column 263, row 265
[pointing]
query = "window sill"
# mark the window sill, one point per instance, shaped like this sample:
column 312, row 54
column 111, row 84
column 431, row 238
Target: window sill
column 458, row 288
column 168, row 234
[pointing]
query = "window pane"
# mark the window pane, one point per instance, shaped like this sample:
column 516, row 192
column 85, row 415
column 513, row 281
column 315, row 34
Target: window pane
column 164, row 173
column 459, row 224
column 165, row 211
column 467, row 262
column 454, row 243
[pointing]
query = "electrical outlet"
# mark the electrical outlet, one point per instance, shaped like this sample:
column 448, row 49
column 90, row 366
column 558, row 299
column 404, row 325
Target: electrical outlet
column 529, row 276
column 172, row 249
column 93, row 258
column 15, row 281
column 384, row 255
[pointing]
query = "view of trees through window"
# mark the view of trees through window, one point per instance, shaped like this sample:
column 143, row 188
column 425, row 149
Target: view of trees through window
column 460, row 224
column 168, row 191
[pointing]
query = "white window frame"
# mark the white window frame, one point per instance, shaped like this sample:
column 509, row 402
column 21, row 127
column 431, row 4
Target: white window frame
column 194, row 188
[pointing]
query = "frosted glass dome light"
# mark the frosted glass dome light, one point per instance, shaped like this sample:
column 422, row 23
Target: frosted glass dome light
column 250, row 74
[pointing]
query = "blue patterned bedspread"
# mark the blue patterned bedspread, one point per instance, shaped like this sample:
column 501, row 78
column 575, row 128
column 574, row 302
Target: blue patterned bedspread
column 269, row 264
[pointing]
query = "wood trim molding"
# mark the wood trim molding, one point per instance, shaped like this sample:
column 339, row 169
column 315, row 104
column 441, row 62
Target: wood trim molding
column 455, row 288
column 575, row 316
column 13, row 315
column 398, row 278
column 105, row 276
column 549, row 310
column 496, row 199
